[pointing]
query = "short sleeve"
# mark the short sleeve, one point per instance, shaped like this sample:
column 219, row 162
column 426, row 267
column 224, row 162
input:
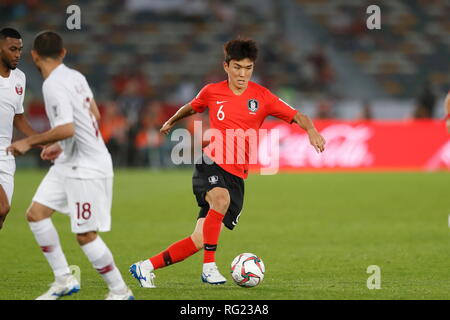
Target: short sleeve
column 200, row 102
column 58, row 105
column 278, row 108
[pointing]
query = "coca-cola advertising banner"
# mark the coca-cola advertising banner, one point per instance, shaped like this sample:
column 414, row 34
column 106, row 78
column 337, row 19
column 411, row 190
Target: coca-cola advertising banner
column 378, row 145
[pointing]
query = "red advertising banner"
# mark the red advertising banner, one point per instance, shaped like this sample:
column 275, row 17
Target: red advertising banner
column 372, row 145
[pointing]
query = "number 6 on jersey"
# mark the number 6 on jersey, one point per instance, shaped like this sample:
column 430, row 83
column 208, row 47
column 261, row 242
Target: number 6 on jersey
column 220, row 114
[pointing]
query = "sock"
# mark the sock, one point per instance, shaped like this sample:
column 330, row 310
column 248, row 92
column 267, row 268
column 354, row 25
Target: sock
column 174, row 253
column 211, row 231
column 47, row 238
column 102, row 260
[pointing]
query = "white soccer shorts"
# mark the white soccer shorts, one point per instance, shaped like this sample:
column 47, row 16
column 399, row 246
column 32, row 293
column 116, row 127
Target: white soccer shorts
column 7, row 170
column 87, row 201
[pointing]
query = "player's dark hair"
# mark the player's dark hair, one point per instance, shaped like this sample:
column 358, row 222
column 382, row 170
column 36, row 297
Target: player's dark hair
column 9, row 33
column 48, row 44
column 239, row 49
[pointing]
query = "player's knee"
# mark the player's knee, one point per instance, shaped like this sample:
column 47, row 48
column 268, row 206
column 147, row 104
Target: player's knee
column 33, row 215
column 37, row 212
column 221, row 202
column 87, row 237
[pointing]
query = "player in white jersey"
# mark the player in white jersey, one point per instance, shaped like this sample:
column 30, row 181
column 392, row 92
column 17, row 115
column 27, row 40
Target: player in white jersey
column 80, row 181
column 12, row 93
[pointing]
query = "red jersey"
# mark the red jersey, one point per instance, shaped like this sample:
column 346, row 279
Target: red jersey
column 231, row 112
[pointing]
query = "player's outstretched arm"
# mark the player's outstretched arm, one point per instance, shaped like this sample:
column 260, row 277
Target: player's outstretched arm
column 184, row 112
column 447, row 111
column 21, row 123
column 315, row 138
column 55, row 134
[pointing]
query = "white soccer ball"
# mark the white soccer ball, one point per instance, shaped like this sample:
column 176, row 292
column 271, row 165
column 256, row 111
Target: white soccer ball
column 247, row 270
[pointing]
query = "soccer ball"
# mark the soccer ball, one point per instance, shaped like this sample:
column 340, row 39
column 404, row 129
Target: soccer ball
column 247, row 270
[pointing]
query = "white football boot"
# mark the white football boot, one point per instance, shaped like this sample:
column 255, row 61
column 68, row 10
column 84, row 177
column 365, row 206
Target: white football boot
column 127, row 295
column 143, row 275
column 211, row 274
column 63, row 287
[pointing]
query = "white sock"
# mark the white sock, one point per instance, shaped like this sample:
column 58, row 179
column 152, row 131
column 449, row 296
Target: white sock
column 102, row 260
column 147, row 264
column 47, row 238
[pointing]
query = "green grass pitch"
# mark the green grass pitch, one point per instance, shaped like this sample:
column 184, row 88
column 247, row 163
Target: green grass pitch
column 316, row 232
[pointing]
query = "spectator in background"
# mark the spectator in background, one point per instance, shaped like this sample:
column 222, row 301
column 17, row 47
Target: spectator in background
column 184, row 91
column 323, row 71
column 114, row 128
column 131, row 101
column 447, row 111
column 425, row 103
column 214, row 75
column 148, row 141
column 131, row 89
column 366, row 111
column 324, row 110
column 129, row 77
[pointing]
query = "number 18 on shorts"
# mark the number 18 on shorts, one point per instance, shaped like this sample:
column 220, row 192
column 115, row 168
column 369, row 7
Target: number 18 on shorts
column 87, row 201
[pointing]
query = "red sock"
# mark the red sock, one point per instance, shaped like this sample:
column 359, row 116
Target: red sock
column 176, row 252
column 211, row 232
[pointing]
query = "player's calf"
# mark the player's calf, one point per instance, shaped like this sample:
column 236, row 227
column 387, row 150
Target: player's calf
column 142, row 271
column 4, row 210
column 4, row 206
column 102, row 260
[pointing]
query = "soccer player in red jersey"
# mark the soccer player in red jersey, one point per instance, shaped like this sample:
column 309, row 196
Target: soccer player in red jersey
column 218, row 183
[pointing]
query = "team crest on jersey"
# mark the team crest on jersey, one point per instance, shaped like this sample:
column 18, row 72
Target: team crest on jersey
column 253, row 105
column 19, row 89
column 213, row 179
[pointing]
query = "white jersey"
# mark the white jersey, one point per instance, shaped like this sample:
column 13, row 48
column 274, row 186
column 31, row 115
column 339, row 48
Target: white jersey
column 67, row 98
column 12, row 92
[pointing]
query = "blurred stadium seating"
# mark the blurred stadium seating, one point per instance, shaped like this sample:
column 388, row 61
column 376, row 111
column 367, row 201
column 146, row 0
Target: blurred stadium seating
column 412, row 48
